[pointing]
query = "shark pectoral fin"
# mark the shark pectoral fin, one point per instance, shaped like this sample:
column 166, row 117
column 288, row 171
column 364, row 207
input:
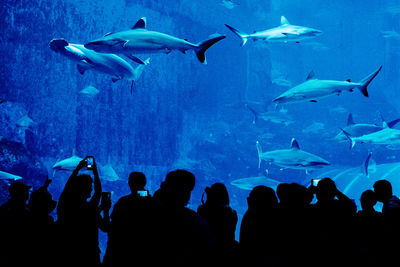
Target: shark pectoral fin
column 288, row 34
column 115, row 78
column 314, row 101
column 168, row 50
column 136, row 59
column 82, row 67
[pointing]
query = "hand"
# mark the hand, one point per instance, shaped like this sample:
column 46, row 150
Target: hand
column 47, row 182
column 82, row 163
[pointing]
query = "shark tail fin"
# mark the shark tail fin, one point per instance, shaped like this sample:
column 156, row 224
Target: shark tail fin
column 259, row 151
column 255, row 113
column 393, row 123
column 202, row 47
column 366, row 81
column 351, row 139
column 239, row 34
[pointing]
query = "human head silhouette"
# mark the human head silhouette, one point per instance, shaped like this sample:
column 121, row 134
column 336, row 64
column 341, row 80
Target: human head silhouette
column 262, row 197
column 217, row 195
column 19, row 192
column 41, row 202
column 368, row 199
column 383, row 190
column 326, row 189
column 177, row 188
column 80, row 187
column 137, row 181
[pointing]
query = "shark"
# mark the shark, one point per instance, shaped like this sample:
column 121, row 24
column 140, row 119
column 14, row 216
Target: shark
column 87, row 59
column 271, row 116
column 386, row 136
column 108, row 173
column 291, row 158
column 313, row 88
column 360, row 129
column 140, row 40
column 249, row 183
column 285, row 32
column 68, row 164
column 9, row 176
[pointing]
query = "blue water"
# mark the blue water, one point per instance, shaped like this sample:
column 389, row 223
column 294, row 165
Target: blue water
column 184, row 114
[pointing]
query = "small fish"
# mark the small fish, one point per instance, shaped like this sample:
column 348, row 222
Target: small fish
column 89, row 91
column 229, row 4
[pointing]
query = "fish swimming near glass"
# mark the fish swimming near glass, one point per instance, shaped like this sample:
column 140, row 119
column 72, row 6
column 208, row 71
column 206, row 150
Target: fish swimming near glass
column 271, row 116
column 108, row 173
column 68, row 164
column 249, row 183
column 313, row 89
column 9, row 176
column 286, row 32
column 292, row 158
column 360, row 129
column 90, row 91
column 88, row 59
column 385, row 136
column 140, row 40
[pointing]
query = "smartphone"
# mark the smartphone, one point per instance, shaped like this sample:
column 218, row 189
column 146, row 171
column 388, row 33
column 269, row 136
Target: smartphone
column 89, row 163
column 314, row 182
column 142, row 193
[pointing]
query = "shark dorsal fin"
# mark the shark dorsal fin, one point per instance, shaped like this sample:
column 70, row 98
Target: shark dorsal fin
column 350, row 120
column 140, row 24
column 385, row 125
column 294, row 144
column 284, row 21
column 311, row 75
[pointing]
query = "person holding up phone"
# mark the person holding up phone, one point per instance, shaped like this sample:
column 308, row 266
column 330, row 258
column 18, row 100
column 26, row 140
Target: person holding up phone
column 79, row 216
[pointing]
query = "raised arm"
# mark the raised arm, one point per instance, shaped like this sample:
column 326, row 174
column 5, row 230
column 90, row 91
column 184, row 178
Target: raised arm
column 95, row 200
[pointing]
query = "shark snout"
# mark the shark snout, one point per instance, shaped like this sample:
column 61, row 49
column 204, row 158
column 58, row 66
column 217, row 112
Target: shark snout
column 57, row 44
column 316, row 32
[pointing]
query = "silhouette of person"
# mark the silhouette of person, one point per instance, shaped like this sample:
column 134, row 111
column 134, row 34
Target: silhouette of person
column 222, row 220
column 41, row 204
column 185, row 236
column 384, row 194
column 295, row 224
column 15, row 226
column 258, row 235
column 133, row 228
column 368, row 225
column 79, row 219
column 390, row 231
column 333, row 229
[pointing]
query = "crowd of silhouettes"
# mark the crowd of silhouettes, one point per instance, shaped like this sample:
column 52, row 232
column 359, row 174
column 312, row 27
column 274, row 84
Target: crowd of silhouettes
column 281, row 228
